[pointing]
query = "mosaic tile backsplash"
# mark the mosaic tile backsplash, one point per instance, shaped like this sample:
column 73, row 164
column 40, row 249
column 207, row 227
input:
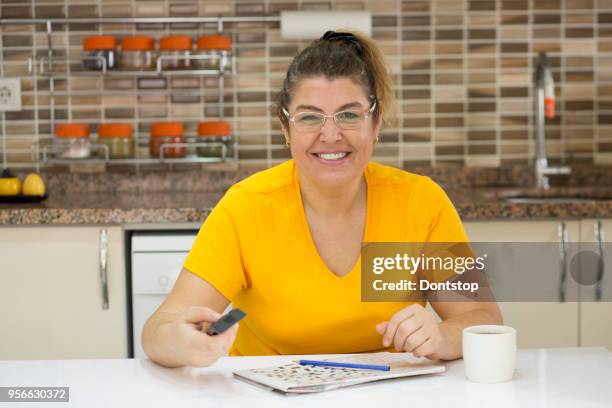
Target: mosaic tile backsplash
column 463, row 73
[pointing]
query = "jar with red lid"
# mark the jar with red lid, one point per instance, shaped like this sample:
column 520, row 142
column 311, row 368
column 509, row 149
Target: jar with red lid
column 175, row 52
column 136, row 53
column 72, row 141
column 215, row 49
column 98, row 48
column 117, row 137
column 215, row 135
column 165, row 133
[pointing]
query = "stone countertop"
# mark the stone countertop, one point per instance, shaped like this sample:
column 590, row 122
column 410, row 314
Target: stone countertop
column 567, row 203
column 112, row 208
column 186, row 207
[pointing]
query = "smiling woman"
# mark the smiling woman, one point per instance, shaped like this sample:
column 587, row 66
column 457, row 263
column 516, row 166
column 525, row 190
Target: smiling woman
column 284, row 244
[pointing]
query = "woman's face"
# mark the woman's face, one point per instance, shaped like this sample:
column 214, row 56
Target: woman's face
column 331, row 156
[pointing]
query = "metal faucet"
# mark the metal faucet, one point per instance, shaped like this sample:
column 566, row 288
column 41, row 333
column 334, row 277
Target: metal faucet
column 544, row 107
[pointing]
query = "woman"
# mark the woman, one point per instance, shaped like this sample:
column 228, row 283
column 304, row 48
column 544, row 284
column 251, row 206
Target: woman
column 284, row 244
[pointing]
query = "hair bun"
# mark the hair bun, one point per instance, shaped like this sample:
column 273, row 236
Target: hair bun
column 345, row 37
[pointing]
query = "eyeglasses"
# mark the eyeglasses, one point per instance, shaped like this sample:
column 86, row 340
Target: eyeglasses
column 350, row 119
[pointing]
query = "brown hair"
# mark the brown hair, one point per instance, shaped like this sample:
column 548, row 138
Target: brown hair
column 343, row 54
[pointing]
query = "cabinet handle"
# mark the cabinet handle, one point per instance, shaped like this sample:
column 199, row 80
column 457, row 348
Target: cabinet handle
column 562, row 234
column 599, row 236
column 103, row 267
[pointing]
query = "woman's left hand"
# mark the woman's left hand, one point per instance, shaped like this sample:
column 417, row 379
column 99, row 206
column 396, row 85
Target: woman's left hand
column 414, row 329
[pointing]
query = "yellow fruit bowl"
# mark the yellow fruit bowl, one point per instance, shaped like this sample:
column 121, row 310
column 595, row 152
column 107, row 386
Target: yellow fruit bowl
column 13, row 191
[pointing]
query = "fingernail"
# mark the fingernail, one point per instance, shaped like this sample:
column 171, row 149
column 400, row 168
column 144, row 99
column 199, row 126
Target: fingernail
column 386, row 343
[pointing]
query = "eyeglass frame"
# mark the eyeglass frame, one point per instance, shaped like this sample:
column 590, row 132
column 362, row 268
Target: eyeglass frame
column 368, row 112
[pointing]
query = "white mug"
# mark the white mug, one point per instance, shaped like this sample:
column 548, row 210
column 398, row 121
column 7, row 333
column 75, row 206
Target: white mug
column 489, row 353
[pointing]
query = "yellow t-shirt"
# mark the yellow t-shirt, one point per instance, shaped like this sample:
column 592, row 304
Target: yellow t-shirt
column 256, row 249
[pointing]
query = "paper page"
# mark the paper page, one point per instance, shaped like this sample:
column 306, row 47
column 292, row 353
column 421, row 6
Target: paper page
column 294, row 377
column 397, row 361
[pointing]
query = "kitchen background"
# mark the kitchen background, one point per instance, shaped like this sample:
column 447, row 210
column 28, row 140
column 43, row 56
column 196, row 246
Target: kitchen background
column 463, row 72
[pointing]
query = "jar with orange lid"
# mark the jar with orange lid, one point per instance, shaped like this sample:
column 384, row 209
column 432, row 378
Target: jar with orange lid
column 136, row 53
column 215, row 50
column 175, row 52
column 98, row 48
column 117, row 137
column 215, row 134
column 164, row 133
column 72, row 141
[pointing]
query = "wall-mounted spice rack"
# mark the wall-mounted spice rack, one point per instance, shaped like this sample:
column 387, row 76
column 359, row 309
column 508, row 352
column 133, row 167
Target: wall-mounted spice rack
column 47, row 67
column 46, row 153
column 41, row 65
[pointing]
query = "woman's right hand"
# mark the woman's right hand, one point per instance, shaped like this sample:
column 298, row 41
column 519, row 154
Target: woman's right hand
column 193, row 347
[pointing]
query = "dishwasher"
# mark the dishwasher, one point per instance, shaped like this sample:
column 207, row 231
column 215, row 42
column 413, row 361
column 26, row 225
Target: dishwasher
column 156, row 260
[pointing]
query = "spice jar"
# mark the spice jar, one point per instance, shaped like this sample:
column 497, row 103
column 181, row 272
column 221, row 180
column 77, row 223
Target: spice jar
column 72, row 141
column 217, row 48
column 136, row 53
column 216, row 134
column 175, row 52
column 167, row 132
column 117, row 137
column 100, row 47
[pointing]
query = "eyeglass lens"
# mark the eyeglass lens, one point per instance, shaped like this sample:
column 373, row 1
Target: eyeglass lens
column 344, row 120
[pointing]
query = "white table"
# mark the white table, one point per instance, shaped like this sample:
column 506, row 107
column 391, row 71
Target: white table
column 571, row 377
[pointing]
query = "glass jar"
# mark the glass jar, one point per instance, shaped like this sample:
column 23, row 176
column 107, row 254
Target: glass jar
column 117, row 137
column 100, row 47
column 217, row 134
column 167, row 132
column 136, row 53
column 72, row 141
column 175, row 52
column 217, row 48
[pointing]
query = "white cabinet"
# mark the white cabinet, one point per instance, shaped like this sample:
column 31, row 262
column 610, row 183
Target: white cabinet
column 595, row 311
column 52, row 293
column 538, row 324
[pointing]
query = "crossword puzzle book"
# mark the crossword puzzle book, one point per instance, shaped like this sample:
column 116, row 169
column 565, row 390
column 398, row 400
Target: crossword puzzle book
column 295, row 378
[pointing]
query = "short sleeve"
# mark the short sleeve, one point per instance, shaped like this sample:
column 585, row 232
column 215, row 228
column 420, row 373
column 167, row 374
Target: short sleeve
column 219, row 251
column 445, row 224
column 446, row 237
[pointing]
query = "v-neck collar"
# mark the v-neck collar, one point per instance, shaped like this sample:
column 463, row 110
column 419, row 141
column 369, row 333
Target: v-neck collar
column 308, row 232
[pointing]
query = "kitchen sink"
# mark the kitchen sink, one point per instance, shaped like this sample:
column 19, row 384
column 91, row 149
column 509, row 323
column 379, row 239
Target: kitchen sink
column 556, row 197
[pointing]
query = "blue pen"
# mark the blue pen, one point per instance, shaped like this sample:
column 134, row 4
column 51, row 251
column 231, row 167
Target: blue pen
column 345, row 365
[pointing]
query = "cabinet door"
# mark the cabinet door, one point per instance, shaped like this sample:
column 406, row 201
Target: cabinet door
column 596, row 311
column 51, row 293
column 538, row 324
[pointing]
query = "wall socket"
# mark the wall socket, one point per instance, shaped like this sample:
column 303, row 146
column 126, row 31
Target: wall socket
column 10, row 94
